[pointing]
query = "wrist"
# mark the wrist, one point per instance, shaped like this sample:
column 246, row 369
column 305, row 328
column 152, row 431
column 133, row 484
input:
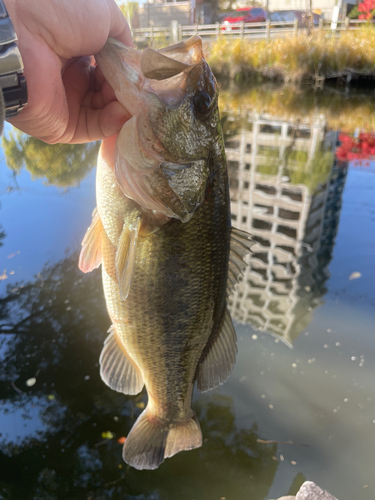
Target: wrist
column 12, row 81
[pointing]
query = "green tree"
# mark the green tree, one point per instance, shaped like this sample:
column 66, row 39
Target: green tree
column 353, row 14
column 62, row 165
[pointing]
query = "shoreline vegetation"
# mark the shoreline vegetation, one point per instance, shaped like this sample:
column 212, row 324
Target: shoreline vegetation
column 297, row 60
column 342, row 111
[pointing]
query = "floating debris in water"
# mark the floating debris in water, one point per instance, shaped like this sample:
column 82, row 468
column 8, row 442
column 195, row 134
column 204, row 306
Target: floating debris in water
column 31, row 381
column 107, row 435
column 11, row 255
column 355, row 276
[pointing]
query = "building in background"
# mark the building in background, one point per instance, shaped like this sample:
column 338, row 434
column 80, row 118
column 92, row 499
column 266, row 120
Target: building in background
column 286, row 191
column 160, row 13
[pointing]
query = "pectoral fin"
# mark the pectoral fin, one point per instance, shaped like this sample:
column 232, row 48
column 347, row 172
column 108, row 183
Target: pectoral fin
column 125, row 257
column 117, row 370
column 219, row 358
column 91, row 253
column 240, row 246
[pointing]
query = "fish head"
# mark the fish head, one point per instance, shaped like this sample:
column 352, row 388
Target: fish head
column 164, row 153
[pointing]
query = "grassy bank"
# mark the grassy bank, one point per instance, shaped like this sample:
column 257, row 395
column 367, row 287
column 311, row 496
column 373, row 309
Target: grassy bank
column 341, row 112
column 298, row 60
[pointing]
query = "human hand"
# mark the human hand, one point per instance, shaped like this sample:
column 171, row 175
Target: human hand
column 69, row 100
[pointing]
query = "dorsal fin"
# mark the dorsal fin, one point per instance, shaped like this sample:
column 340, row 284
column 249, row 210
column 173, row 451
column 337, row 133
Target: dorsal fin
column 220, row 357
column 240, row 246
column 91, row 253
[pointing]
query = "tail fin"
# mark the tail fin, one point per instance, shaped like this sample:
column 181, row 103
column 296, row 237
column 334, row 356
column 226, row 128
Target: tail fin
column 151, row 440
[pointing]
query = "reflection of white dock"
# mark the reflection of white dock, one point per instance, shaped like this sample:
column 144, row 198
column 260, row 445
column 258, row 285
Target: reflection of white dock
column 286, row 221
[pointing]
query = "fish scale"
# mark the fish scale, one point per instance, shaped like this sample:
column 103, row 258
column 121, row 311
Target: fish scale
column 159, row 341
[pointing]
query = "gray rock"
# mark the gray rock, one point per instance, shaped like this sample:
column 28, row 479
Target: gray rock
column 310, row 491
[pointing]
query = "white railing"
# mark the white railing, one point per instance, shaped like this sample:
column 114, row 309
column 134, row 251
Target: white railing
column 241, row 30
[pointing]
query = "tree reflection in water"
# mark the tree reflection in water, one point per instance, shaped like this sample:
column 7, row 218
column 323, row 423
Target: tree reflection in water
column 53, row 329
column 63, row 165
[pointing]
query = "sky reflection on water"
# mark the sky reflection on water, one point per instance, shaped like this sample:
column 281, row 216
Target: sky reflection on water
column 299, row 404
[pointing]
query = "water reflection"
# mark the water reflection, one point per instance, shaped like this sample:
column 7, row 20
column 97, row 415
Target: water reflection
column 62, row 165
column 52, row 329
column 286, row 191
column 288, row 187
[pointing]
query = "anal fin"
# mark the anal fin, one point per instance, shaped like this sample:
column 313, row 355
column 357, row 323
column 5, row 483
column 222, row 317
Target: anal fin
column 125, row 257
column 91, row 253
column 117, row 370
column 240, row 247
column 220, row 357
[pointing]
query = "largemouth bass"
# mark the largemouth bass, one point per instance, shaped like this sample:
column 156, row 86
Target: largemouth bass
column 163, row 233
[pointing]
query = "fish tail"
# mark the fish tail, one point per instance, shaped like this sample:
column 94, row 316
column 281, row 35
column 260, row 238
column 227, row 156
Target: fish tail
column 151, row 440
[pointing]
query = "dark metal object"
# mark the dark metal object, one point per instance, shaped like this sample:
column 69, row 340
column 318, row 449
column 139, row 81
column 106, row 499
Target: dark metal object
column 12, row 81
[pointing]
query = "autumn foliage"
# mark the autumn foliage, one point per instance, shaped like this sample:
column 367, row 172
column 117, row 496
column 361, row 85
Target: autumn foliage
column 366, row 9
column 360, row 148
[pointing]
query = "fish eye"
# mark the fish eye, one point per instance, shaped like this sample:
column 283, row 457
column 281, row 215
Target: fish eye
column 202, row 102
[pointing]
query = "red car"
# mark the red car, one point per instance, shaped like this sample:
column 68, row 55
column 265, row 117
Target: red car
column 245, row 15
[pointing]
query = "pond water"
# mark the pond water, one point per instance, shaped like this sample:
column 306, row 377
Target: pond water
column 300, row 403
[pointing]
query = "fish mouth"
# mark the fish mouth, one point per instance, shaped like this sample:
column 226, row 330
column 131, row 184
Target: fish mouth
column 137, row 76
column 148, row 84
